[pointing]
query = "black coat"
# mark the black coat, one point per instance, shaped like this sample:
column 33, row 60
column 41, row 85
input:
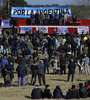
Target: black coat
column 34, row 69
column 36, row 93
column 71, row 67
column 47, row 93
column 57, row 93
column 83, row 92
column 63, row 63
column 40, row 68
column 22, row 70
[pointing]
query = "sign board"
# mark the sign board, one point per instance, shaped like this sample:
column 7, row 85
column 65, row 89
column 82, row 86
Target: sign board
column 23, row 30
column 25, row 12
column 62, row 30
column 42, row 29
column 83, row 29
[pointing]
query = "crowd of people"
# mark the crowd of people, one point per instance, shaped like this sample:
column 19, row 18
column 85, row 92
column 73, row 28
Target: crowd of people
column 73, row 50
column 82, row 91
column 40, row 18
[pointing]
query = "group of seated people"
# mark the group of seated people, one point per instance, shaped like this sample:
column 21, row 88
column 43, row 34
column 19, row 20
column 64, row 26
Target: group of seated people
column 48, row 18
column 82, row 91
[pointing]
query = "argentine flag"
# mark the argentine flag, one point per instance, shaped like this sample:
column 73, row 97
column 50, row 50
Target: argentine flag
column 57, row 42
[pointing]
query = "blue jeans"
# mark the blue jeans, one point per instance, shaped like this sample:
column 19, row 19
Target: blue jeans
column 69, row 74
column 46, row 21
column 41, row 21
column 21, row 81
column 32, row 21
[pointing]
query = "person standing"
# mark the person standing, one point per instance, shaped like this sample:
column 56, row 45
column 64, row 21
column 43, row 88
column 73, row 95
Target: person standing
column 41, row 73
column 88, row 44
column 37, row 18
column 46, row 64
column 46, row 18
column 71, row 68
column 22, row 72
column 74, row 18
column 32, row 18
column 34, row 72
column 30, row 62
column 55, row 65
column 63, row 64
column 41, row 18
column 65, row 18
column 86, row 62
column 55, row 18
column 51, row 18
column 10, row 69
column 60, row 18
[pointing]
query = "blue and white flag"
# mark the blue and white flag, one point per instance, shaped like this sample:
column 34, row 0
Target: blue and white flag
column 62, row 30
column 57, row 42
column 5, row 23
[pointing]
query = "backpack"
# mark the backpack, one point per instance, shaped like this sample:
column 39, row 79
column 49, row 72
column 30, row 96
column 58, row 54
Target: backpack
column 7, row 77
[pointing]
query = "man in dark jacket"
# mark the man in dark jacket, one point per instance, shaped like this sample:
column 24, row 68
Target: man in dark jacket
column 82, row 91
column 72, row 93
column 22, row 72
column 71, row 68
column 74, row 18
column 63, row 64
column 46, row 64
column 47, row 93
column 34, row 73
column 37, row 93
column 41, row 73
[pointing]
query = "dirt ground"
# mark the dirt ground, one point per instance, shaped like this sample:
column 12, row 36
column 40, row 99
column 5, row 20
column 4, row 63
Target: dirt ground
column 23, row 93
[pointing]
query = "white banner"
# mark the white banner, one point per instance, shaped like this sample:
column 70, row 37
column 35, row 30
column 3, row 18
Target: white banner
column 42, row 29
column 25, row 29
column 83, row 29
